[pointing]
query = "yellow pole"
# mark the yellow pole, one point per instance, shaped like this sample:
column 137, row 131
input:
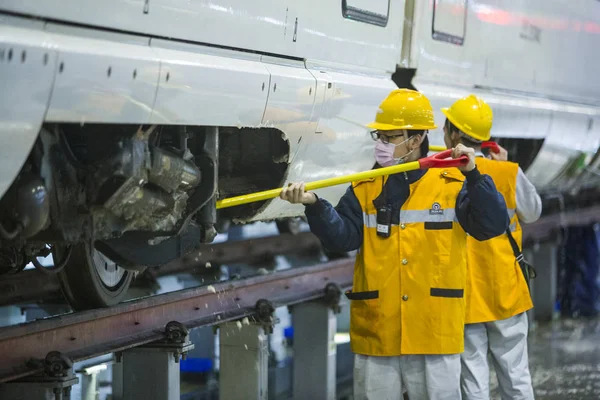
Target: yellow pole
column 271, row 194
column 437, row 148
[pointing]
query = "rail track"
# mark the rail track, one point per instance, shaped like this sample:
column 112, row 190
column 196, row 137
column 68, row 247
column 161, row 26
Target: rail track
column 82, row 335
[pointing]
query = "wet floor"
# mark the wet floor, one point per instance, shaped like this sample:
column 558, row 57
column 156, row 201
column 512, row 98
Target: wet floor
column 564, row 360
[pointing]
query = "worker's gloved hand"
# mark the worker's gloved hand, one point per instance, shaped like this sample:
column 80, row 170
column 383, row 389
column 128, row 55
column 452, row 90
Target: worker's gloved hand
column 461, row 150
column 502, row 155
column 296, row 193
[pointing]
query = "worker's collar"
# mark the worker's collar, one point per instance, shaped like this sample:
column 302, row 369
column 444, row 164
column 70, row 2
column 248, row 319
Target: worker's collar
column 411, row 176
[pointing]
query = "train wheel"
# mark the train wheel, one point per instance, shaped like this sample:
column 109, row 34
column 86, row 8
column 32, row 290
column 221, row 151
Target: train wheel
column 92, row 280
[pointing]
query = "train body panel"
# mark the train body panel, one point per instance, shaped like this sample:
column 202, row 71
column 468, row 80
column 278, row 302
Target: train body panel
column 311, row 30
column 209, row 89
column 456, row 47
column 29, row 87
column 341, row 145
column 533, row 48
column 528, row 60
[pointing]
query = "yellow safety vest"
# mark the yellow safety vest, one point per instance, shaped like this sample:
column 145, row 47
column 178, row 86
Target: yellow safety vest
column 496, row 288
column 408, row 289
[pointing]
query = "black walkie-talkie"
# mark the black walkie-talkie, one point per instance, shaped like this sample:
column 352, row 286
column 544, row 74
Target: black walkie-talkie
column 384, row 221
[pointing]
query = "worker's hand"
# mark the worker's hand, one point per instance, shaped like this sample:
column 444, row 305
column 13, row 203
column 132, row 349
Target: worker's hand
column 296, row 193
column 462, row 150
column 502, row 155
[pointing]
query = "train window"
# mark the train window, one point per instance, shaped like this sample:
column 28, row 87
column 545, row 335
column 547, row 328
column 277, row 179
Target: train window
column 449, row 21
column 373, row 12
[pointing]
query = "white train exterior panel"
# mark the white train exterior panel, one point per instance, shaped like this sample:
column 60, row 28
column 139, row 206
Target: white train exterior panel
column 27, row 67
column 208, row 89
column 310, row 29
column 342, row 147
column 102, row 80
column 533, row 61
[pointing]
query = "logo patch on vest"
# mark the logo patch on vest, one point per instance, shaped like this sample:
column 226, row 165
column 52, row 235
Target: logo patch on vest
column 436, row 209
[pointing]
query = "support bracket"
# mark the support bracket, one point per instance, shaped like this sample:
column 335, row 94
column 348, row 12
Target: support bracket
column 264, row 310
column 176, row 340
column 56, row 376
column 333, row 294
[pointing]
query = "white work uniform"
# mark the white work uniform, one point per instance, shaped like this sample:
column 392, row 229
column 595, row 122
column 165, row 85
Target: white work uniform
column 506, row 339
column 425, row 377
column 507, row 342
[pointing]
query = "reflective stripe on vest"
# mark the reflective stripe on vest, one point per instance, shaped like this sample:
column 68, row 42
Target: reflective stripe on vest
column 413, row 216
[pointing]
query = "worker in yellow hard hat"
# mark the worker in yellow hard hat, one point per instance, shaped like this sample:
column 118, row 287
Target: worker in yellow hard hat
column 497, row 289
column 407, row 306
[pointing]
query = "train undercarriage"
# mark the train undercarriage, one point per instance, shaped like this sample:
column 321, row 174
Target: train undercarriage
column 110, row 201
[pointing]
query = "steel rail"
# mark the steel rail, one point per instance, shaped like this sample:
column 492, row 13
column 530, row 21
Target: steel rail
column 243, row 251
column 90, row 333
column 32, row 286
column 546, row 225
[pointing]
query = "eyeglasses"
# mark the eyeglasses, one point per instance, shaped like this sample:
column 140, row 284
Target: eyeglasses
column 384, row 138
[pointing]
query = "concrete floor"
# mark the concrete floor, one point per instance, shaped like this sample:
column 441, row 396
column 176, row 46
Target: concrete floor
column 564, row 360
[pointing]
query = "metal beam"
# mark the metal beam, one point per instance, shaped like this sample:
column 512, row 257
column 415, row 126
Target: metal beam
column 90, row 333
column 544, row 227
column 245, row 251
column 28, row 286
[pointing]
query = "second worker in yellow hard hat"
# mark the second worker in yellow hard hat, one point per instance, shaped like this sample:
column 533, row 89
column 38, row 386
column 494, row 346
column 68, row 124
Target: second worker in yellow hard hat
column 406, row 303
column 497, row 292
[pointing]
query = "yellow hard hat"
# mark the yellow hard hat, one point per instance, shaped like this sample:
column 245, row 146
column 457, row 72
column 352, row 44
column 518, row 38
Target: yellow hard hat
column 472, row 116
column 404, row 109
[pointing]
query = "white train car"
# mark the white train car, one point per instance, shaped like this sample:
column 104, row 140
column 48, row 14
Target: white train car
column 122, row 121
